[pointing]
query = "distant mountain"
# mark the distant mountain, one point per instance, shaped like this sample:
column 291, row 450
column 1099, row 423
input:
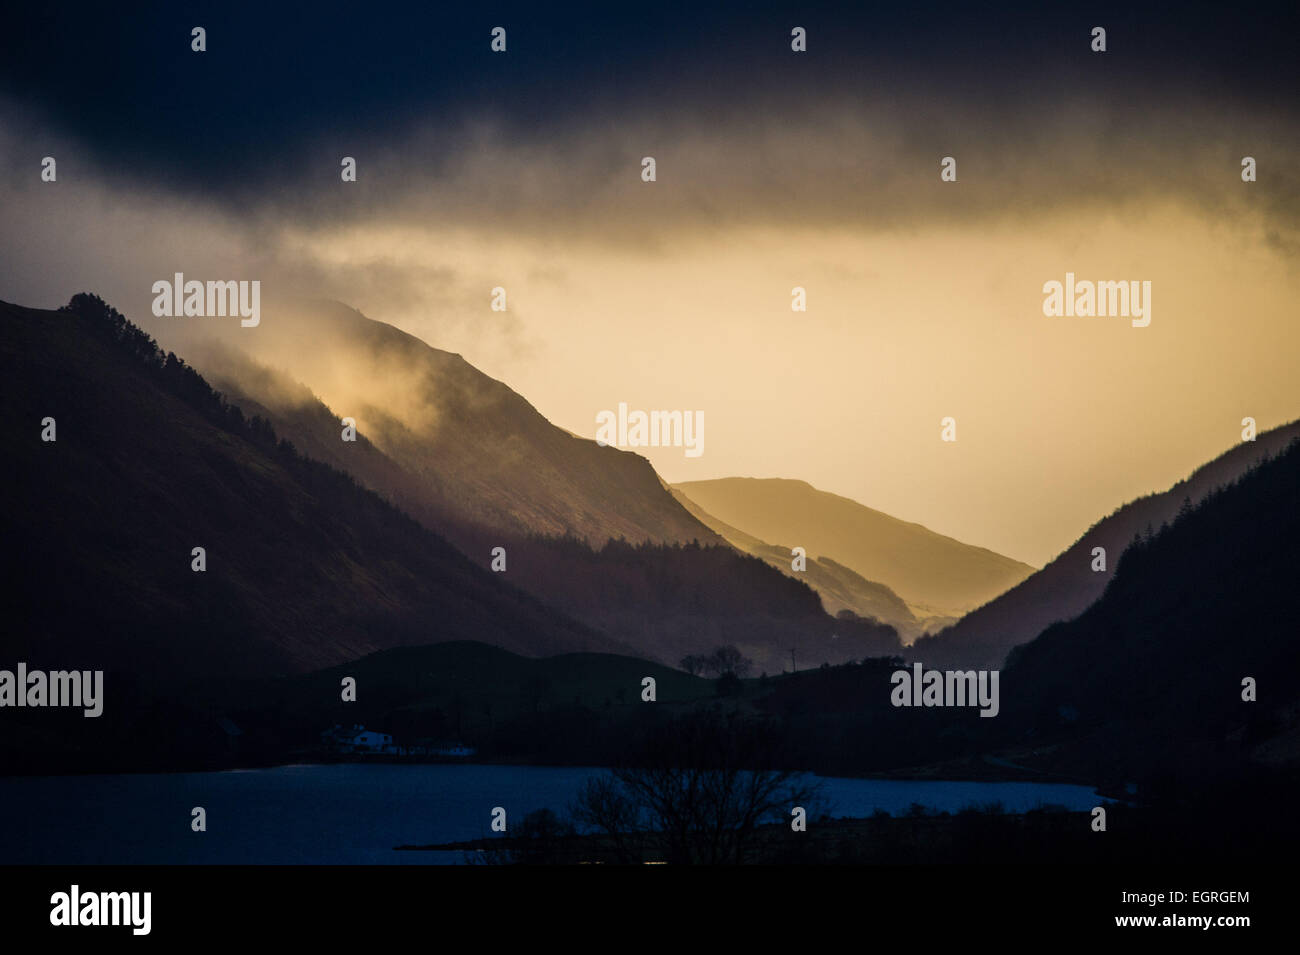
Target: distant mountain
column 928, row 570
column 840, row 588
column 1068, row 585
column 304, row 568
column 480, row 452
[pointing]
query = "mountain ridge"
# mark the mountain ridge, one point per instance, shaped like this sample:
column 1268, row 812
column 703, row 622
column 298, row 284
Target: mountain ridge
column 1067, row 585
column 486, row 455
column 840, row 587
column 930, row 571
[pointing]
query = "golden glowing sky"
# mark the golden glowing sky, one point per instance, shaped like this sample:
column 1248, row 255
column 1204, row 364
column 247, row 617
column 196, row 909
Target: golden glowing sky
column 924, row 298
column 1059, row 420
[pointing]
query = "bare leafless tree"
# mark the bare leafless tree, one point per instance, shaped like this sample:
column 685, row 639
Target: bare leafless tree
column 697, row 791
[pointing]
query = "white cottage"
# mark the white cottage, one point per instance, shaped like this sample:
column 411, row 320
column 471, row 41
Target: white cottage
column 368, row 741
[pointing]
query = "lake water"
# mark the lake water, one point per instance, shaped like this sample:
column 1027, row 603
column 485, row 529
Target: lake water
column 355, row 814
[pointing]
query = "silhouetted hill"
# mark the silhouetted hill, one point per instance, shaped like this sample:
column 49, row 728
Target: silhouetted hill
column 926, row 569
column 304, row 568
column 670, row 601
column 1068, row 585
column 1150, row 676
column 567, row 708
column 1144, row 687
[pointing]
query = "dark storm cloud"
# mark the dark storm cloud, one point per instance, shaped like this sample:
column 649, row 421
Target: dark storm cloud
column 278, row 86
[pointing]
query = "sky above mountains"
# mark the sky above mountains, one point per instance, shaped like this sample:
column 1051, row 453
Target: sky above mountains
column 774, row 170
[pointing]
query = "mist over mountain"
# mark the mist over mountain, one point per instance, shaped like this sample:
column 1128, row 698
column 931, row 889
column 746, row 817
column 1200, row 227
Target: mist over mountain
column 1068, row 585
column 316, row 430
column 481, row 453
column 936, row 575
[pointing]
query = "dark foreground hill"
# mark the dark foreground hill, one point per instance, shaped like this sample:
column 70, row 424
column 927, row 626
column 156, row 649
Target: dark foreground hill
column 570, row 708
column 1145, row 687
column 1154, row 673
column 304, row 568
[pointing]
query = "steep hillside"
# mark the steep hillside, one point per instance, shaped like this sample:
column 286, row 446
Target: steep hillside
column 481, row 453
column 1068, row 585
column 304, row 569
column 1152, row 674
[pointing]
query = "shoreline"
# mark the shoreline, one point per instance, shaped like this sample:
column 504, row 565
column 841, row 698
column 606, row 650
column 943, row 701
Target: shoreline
column 964, row 771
